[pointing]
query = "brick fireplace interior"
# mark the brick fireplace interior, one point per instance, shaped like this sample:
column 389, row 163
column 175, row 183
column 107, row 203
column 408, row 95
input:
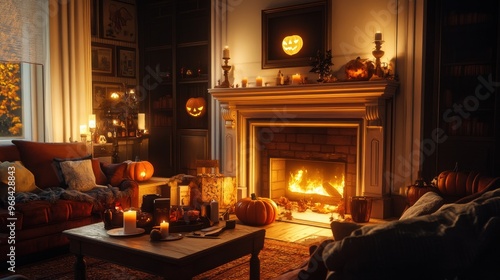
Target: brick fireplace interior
column 312, row 164
column 348, row 122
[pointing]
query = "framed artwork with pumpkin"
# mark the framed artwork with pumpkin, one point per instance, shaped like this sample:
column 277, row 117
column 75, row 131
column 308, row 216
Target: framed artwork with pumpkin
column 292, row 35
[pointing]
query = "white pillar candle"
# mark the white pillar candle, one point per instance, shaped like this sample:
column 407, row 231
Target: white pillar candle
column 83, row 129
column 164, row 228
column 141, row 121
column 258, row 81
column 92, row 121
column 129, row 221
column 225, row 52
column 296, row 79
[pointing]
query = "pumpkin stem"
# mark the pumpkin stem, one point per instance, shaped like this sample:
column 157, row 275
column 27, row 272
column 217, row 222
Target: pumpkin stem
column 254, row 197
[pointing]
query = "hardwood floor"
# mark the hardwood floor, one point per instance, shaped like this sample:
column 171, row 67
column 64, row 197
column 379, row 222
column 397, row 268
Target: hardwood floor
column 299, row 233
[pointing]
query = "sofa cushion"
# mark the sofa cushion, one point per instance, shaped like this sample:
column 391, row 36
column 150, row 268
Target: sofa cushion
column 15, row 172
column 115, row 172
column 38, row 156
column 100, row 177
column 78, row 174
column 426, row 204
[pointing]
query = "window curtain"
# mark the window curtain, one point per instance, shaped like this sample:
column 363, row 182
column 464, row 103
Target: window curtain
column 69, row 100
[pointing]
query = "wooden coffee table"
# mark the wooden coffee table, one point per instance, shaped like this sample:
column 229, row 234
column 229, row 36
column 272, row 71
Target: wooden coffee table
column 179, row 259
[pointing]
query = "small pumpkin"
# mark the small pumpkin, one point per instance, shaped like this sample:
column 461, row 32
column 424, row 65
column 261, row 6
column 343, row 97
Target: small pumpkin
column 292, row 44
column 140, row 170
column 359, row 69
column 196, row 106
column 256, row 211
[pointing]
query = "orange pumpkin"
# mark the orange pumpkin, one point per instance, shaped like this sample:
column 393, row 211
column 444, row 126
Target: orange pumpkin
column 256, row 211
column 196, row 106
column 140, row 170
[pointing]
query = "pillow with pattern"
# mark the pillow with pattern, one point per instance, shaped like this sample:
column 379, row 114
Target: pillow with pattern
column 78, row 174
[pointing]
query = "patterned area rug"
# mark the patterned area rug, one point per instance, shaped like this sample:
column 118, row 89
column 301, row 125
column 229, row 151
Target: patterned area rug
column 276, row 258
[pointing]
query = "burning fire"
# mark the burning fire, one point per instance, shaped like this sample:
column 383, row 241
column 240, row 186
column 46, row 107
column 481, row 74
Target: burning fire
column 303, row 182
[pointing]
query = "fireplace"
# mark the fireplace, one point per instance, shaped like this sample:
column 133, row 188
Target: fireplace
column 314, row 181
column 348, row 122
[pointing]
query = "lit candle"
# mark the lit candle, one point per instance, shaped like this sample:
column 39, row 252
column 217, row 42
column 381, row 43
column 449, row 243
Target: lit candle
column 164, row 229
column 129, row 221
column 378, row 36
column 296, row 79
column 83, row 129
column 141, row 121
column 92, row 121
column 258, row 81
column 225, row 52
column 244, row 82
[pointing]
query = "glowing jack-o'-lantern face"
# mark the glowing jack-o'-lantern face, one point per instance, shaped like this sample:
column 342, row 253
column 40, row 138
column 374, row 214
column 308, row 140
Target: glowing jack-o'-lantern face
column 292, row 44
column 196, row 106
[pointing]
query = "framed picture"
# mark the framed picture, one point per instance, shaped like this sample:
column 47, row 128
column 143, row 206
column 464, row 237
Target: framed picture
column 118, row 21
column 94, row 18
column 126, row 62
column 102, row 59
column 101, row 94
column 308, row 21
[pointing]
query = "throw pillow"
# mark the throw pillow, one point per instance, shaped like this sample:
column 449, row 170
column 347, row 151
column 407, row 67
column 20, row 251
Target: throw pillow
column 115, row 172
column 426, row 204
column 78, row 174
column 23, row 178
column 342, row 229
column 57, row 165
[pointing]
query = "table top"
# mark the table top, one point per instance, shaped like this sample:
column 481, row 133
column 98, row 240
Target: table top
column 176, row 251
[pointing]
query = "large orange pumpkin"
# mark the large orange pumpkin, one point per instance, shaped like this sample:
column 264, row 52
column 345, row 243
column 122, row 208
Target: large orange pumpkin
column 256, row 211
column 140, row 170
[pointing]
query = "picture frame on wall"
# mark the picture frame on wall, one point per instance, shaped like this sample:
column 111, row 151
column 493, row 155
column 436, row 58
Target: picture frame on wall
column 94, row 18
column 102, row 59
column 118, row 21
column 126, row 59
column 101, row 94
column 309, row 21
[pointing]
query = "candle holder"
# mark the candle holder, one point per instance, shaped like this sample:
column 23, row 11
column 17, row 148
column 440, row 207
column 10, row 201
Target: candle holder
column 226, row 68
column 378, row 53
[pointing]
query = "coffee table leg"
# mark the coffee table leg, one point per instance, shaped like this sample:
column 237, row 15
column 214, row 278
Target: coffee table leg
column 255, row 266
column 80, row 268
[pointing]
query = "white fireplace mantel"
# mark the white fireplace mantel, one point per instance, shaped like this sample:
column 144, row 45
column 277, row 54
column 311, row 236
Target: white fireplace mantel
column 367, row 105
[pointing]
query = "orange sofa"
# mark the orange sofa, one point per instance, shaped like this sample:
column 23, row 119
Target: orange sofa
column 34, row 221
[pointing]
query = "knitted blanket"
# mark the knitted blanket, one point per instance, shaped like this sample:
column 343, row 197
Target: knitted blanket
column 100, row 196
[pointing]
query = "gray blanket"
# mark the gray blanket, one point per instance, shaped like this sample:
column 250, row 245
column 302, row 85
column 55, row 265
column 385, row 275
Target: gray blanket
column 100, row 196
column 441, row 245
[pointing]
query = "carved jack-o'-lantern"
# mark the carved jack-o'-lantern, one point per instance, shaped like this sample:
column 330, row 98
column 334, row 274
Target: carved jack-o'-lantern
column 196, row 106
column 292, row 44
column 359, row 69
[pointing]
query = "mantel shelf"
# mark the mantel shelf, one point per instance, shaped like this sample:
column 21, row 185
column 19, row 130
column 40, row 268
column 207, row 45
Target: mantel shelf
column 331, row 93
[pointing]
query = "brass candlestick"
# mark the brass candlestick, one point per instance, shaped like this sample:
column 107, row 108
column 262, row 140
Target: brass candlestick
column 378, row 53
column 226, row 68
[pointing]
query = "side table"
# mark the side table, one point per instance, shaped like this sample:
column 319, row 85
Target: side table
column 151, row 186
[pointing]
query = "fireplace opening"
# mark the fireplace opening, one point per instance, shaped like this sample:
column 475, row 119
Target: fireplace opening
column 299, row 185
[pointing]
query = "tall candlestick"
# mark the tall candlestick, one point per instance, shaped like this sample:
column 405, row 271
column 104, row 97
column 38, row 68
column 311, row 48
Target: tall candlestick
column 92, row 121
column 225, row 53
column 258, row 81
column 164, row 228
column 129, row 221
column 141, row 121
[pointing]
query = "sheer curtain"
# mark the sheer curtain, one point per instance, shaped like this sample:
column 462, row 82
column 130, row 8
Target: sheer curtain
column 69, row 98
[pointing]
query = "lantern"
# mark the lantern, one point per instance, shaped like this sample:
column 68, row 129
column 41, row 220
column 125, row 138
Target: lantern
column 292, row 44
column 140, row 170
column 195, row 106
